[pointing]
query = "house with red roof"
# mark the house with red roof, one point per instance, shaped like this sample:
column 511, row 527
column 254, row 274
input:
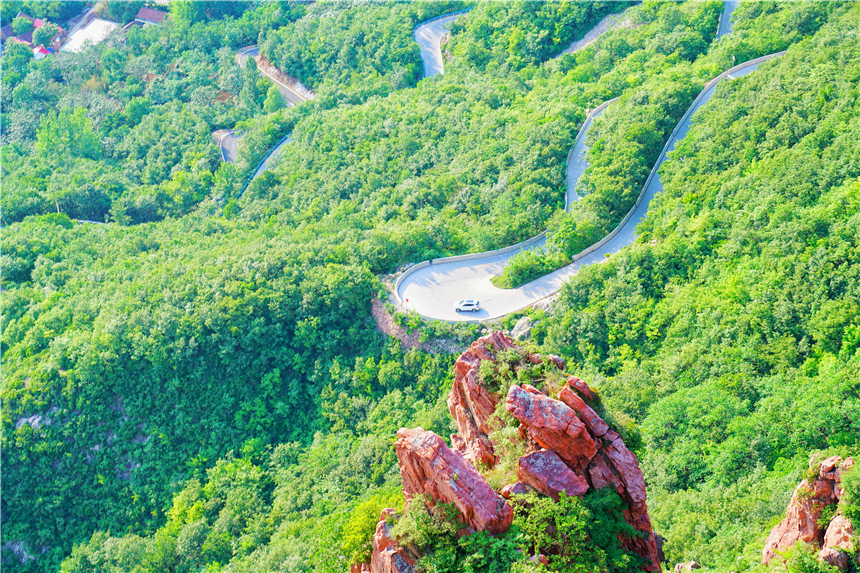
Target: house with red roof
column 6, row 33
column 148, row 16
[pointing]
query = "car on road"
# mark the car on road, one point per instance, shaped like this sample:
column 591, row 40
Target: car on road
column 467, row 305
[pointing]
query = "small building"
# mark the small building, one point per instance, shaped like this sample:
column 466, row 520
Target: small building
column 26, row 38
column 94, row 33
column 41, row 52
column 148, row 16
column 7, row 33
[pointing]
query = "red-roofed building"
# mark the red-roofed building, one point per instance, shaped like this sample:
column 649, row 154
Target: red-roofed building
column 6, row 33
column 41, row 52
column 150, row 16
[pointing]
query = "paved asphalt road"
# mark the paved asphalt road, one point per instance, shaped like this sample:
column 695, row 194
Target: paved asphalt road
column 293, row 97
column 433, row 290
column 429, row 38
column 228, row 140
column 726, row 20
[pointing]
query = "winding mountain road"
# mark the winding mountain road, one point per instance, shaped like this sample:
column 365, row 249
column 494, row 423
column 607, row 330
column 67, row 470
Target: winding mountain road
column 429, row 38
column 294, row 97
column 431, row 288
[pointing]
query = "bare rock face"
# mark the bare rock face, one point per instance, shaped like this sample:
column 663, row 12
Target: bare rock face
column 689, row 566
column 580, row 386
column 551, row 423
column 516, row 488
column 387, row 556
column 470, row 404
column 587, row 446
column 536, row 358
column 834, row 557
column 839, row 533
column 837, row 540
column 523, row 329
column 544, row 471
column 428, row 466
column 805, row 508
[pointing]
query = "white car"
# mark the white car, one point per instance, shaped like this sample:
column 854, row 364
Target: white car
column 467, row 305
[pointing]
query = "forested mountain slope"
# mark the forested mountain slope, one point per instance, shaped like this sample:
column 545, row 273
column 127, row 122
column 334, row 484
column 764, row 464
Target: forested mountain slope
column 212, row 392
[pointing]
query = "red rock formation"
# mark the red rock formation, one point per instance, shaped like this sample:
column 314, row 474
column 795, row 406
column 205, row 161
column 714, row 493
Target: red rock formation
column 551, row 423
column 544, row 471
column 535, row 358
column 387, row 556
column 516, row 488
column 570, row 448
column 839, row 533
column 470, row 404
column 580, row 386
column 428, row 466
column 834, row 557
column 805, row 509
column 594, row 452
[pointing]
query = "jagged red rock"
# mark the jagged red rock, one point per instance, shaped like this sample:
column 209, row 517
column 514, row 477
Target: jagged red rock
column 470, row 404
column 586, row 452
column 428, row 466
column 580, row 386
column 557, row 361
column 838, row 539
column 805, row 508
column 544, row 471
column 516, row 488
column 587, row 445
column 387, row 555
column 552, row 424
column 595, row 424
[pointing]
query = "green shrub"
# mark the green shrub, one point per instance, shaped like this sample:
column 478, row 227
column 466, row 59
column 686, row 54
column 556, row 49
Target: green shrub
column 527, row 266
column 358, row 531
column 850, row 504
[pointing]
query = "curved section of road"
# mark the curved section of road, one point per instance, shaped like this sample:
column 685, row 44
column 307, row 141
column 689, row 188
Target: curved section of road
column 290, row 94
column 725, row 25
column 432, row 288
column 429, row 37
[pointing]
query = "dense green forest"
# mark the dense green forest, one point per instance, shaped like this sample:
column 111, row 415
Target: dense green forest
column 185, row 392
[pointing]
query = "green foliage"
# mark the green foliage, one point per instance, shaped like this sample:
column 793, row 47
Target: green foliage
column 55, row 11
column 375, row 54
column 21, row 25
column 803, row 558
column 358, row 532
column 44, row 34
column 529, row 265
column 524, row 33
column 577, row 534
column 850, row 503
column 274, row 100
column 432, row 530
column 136, row 358
column 67, row 134
column 722, row 333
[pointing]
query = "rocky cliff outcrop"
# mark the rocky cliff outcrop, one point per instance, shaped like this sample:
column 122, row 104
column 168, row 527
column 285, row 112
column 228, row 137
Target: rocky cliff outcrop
column 592, row 451
column 387, row 556
column 568, row 448
column 429, row 467
column 808, row 503
column 470, row 404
